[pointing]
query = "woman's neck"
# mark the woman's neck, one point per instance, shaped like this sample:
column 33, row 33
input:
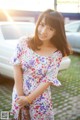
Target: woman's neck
column 46, row 44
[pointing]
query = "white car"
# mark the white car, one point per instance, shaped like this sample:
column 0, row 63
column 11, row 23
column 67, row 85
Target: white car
column 10, row 32
column 73, row 35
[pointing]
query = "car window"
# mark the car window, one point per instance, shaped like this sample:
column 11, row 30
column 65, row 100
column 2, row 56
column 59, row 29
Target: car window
column 72, row 27
column 16, row 31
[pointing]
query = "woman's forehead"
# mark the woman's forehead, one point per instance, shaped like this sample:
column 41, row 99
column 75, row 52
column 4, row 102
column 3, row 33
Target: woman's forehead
column 47, row 21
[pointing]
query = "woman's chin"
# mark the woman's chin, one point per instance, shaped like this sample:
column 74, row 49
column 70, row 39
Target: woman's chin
column 42, row 39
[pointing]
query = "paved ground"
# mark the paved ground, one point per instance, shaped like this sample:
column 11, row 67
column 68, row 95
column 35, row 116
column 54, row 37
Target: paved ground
column 67, row 109
column 70, row 110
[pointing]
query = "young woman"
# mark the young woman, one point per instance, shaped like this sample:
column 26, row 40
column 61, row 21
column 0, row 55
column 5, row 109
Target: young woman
column 36, row 64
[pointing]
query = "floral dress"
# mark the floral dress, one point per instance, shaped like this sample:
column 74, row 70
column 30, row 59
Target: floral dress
column 36, row 69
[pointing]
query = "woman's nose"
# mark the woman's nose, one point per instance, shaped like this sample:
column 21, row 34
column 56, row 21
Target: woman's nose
column 44, row 30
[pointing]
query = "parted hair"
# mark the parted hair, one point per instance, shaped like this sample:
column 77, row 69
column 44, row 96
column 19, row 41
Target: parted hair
column 59, row 40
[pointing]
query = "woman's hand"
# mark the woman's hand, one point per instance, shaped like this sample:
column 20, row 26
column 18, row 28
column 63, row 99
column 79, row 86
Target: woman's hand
column 22, row 101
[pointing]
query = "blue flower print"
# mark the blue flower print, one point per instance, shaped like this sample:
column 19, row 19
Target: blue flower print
column 28, row 84
column 32, row 62
column 15, row 59
column 18, row 48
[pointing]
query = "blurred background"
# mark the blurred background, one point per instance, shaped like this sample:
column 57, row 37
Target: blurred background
column 18, row 19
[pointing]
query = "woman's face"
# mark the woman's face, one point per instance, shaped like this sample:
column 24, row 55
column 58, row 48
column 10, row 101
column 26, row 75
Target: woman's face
column 45, row 32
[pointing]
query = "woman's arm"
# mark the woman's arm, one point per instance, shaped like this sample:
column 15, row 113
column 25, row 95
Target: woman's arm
column 25, row 100
column 38, row 91
column 18, row 80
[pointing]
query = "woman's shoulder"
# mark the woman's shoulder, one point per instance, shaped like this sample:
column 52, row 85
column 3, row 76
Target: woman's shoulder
column 23, row 42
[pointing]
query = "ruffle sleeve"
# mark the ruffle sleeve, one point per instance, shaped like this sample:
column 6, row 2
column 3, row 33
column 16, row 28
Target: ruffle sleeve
column 16, row 58
column 52, row 72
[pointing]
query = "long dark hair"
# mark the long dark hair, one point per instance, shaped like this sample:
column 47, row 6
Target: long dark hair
column 55, row 20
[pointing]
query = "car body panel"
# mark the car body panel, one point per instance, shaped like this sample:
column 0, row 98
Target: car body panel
column 73, row 35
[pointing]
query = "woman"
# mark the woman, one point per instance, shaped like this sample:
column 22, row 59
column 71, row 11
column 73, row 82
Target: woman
column 36, row 64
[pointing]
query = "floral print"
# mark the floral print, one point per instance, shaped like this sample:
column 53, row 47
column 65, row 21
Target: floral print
column 36, row 69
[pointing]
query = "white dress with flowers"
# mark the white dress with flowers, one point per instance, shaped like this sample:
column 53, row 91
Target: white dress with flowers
column 36, row 69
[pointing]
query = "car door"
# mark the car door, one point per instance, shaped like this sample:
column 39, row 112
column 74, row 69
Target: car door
column 6, row 51
column 73, row 36
column 78, row 38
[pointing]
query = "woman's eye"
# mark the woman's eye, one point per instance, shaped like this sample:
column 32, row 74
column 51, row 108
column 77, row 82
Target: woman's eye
column 51, row 29
column 42, row 24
